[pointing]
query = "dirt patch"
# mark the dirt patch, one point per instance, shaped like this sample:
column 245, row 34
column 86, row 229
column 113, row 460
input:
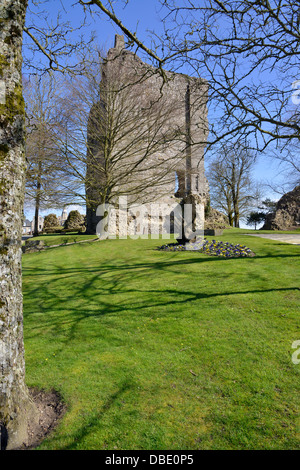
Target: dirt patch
column 51, row 410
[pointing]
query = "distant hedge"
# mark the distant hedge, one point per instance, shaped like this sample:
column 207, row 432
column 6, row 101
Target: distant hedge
column 61, row 230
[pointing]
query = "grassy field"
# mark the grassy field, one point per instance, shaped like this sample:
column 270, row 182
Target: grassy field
column 159, row 350
column 62, row 239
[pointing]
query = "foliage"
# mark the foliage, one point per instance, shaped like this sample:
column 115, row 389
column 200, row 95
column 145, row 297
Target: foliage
column 58, row 238
column 75, row 221
column 53, row 229
column 50, row 222
column 256, row 218
column 268, row 206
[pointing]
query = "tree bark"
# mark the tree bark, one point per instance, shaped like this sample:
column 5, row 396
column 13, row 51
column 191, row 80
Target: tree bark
column 36, row 217
column 16, row 408
column 37, row 200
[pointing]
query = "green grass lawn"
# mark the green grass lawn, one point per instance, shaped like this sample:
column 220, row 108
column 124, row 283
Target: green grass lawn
column 159, row 350
column 62, row 239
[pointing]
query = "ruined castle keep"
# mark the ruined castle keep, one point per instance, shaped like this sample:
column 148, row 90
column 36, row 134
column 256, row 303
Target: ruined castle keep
column 146, row 135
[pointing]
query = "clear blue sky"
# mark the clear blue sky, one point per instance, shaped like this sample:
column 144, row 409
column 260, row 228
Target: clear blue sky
column 141, row 16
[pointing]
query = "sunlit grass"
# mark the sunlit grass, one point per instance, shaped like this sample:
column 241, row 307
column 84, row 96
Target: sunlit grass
column 160, row 350
column 62, row 239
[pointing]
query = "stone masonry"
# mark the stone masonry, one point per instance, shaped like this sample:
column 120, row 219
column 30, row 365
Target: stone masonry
column 146, row 136
column 287, row 213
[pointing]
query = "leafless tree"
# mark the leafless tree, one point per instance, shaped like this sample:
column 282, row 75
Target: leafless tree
column 16, row 407
column 46, row 175
column 232, row 188
column 249, row 52
column 55, row 43
column 118, row 141
column 288, row 169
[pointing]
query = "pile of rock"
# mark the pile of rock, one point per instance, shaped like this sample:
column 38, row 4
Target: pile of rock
column 287, row 213
column 215, row 219
column 33, row 245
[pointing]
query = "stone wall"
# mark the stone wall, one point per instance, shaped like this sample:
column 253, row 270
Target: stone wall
column 287, row 214
column 157, row 128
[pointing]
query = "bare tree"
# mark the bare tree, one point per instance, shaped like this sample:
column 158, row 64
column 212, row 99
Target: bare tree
column 54, row 43
column 249, row 53
column 288, row 169
column 51, row 41
column 46, row 175
column 124, row 135
column 232, row 188
column 16, row 408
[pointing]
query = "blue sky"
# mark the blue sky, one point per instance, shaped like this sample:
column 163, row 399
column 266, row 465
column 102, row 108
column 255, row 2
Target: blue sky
column 141, row 16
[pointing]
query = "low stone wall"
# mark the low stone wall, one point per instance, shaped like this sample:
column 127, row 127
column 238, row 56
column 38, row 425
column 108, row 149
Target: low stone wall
column 33, row 245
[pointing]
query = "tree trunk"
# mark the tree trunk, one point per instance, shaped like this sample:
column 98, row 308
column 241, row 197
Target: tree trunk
column 37, row 200
column 36, row 217
column 236, row 218
column 229, row 210
column 236, row 202
column 16, row 409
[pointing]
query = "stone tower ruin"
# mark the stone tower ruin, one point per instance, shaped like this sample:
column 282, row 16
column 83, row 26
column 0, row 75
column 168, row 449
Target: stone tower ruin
column 146, row 135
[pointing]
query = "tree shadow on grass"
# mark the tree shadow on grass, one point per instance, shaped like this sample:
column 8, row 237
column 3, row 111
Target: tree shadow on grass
column 158, row 265
column 89, row 292
column 95, row 418
column 65, row 296
column 59, row 299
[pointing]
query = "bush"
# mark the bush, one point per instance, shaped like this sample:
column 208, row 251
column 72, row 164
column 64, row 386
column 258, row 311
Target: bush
column 255, row 218
column 73, row 230
column 74, row 222
column 50, row 222
column 53, row 230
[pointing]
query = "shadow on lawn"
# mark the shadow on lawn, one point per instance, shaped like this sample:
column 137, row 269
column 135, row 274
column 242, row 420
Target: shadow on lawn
column 108, row 290
column 95, row 419
column 68, row 296
column 171, row 261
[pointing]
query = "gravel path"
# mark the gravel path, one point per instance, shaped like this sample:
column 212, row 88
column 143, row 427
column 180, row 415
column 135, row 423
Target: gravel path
column 280, row 237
